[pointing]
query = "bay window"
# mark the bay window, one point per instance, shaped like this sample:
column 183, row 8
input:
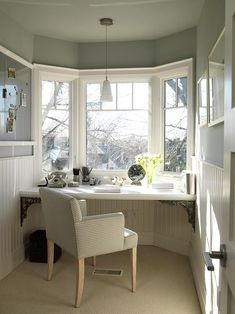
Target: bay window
column 118, row 131
column 151, row 112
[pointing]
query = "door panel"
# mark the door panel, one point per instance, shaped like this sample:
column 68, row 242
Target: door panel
column 228, row 231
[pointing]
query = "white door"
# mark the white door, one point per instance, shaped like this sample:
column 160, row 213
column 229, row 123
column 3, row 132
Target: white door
column 228, row 232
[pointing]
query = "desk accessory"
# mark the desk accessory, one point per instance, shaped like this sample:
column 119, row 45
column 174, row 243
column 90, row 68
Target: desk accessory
column 85, row 174
column 56, row 179
column 76, row 174
column 136, row 173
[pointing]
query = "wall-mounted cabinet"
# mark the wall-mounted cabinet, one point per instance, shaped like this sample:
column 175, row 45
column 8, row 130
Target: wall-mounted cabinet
column 216, row 81
column 15, row 102
column 202, row 100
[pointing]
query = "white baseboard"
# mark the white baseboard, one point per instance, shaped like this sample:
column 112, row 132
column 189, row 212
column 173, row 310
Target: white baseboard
column 200, row 287
column 146, row 238
column 172, row 244
column 10, row 262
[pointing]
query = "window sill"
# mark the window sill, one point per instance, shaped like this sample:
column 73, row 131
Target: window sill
column 18, row 143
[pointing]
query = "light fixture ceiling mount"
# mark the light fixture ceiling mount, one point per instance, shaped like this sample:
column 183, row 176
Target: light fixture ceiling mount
column 106, row 21
column 106, row 94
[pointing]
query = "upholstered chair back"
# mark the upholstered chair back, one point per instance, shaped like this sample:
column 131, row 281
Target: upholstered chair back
column 61, row 212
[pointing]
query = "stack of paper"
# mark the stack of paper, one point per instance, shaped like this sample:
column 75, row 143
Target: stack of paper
column 107, row 189
column 163, row 185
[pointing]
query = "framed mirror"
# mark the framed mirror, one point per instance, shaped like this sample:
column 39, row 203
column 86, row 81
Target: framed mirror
column 216, row 81
column 202, row 100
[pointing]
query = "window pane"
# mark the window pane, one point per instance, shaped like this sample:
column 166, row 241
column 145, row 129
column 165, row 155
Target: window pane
column 182, row 91
column 175, row 139
column 140, row 95
column 110, row 105
column 202, row 100
column 48, row 93
column 170, row 93
column 55, row 126
column 93, row 96
column 124, row 96
column 114, row 138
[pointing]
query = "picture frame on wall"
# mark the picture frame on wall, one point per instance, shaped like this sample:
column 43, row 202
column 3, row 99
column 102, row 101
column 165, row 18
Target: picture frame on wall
column 216, row 81
column 202, row 99
column 10, row 125
column 23, row 99
column 11, row 72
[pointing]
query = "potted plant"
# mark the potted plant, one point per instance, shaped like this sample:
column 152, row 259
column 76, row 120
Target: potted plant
column 149, row 162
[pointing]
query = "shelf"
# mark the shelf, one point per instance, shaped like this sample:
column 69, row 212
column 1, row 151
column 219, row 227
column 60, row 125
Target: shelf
column 216, row 122
column 18, row 143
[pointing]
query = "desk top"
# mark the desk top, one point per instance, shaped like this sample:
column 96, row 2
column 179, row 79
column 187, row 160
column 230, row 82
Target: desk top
column 126, row 193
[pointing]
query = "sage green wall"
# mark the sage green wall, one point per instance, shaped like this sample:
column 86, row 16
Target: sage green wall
column 176, row 47
column 15, row 38
column 120, row 54
column 210, row 25
column 55, row 52
column 145, row 53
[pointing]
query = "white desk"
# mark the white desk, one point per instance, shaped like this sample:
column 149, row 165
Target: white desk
column 173, row 197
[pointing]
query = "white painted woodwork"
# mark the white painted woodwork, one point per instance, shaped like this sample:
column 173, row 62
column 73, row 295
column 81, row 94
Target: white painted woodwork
column 126, row 193
column 15, row 174
column 157, row 224
column 228, row 231
column 15, row 57
column 171, row 228
column 17, row 143
column 207, row 236
column 139, row 215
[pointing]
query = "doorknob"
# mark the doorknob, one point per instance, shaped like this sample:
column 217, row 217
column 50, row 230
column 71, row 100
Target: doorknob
column 217, row 255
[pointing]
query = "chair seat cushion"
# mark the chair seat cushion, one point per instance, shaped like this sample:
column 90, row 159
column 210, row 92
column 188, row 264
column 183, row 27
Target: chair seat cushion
column 130, row 239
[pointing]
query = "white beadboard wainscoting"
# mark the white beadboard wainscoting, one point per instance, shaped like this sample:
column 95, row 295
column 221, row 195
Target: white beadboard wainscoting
column 15, row 174
column 207, row 236
column 156, row 223
column 159, row 224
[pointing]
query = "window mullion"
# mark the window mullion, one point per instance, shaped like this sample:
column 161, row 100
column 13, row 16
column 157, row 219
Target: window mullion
column 176, row 94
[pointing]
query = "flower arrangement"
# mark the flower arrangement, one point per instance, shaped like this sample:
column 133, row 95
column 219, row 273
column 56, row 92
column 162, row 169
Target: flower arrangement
column 149, row 162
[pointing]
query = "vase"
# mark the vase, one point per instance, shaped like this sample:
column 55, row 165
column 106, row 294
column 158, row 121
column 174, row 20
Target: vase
column 150, row 172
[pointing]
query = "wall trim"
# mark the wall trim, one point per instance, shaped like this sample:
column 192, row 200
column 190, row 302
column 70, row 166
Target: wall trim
column 146, row 238
column 15, row 57
column 207, row 163
column 11, row 261
column 171, row 244
column 200, row 287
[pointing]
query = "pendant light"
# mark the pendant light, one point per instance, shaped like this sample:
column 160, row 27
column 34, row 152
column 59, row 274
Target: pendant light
column 106, row 93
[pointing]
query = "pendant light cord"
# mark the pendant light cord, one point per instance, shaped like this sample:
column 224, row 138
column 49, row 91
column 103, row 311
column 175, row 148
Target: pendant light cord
column 106, row 51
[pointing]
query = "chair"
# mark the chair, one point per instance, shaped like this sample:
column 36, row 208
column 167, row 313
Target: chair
column 68, row 225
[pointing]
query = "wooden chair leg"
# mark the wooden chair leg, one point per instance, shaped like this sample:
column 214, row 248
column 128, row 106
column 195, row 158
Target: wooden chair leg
column 133, row 268
column 93, row 261
column 79, row 281
column 50, row 258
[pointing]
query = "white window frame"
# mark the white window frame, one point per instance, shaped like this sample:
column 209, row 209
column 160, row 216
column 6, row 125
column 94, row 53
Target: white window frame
column 42, row 73
column 156, row 77
column 97, row 76
column 79, row 78
column 177, row 71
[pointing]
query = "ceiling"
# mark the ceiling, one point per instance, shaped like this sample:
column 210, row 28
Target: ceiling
column 78, row 20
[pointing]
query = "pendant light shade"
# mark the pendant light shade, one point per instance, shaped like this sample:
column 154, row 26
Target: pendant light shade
column 106, row 93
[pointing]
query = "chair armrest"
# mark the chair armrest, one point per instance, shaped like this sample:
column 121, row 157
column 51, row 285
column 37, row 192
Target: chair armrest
column 102, row 216
column 100, row 234
column 83, row 207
